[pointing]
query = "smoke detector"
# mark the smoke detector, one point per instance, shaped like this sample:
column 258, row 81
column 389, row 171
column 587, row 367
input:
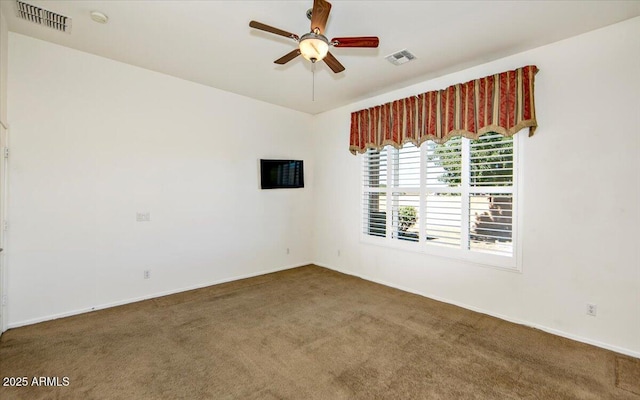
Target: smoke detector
column 99, row 17
column 400, row 57
column 41, row 16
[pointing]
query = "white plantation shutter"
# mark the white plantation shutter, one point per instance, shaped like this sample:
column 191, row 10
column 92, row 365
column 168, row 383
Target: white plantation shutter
column 443, row 199
column 491, row 161
column 375, row 168
column 444, row 164
column 405, row 186
column 444, row 218
column 491, row 194
column 457, row 196
column 491, row 222
column 374, row 202
column 406, row 167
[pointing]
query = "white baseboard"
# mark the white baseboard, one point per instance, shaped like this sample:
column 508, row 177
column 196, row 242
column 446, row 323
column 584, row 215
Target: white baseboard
column 553, row 331
column 149, row 296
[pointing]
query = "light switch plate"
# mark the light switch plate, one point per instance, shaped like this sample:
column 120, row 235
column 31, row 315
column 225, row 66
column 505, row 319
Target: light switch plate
column 143, row 216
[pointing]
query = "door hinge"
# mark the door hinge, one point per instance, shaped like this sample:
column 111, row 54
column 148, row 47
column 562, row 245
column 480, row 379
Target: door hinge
column 6, row 152
column 5, row 226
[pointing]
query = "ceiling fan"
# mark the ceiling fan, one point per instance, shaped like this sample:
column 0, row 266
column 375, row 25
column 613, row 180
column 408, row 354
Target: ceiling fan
column 314, row 46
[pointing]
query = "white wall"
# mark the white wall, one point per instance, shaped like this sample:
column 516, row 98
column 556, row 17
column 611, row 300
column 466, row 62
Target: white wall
column 4, row 41
column 93, row 141
column 581, row 197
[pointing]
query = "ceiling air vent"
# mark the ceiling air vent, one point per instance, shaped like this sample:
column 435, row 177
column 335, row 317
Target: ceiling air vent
column 43, row 17
column 401, row 57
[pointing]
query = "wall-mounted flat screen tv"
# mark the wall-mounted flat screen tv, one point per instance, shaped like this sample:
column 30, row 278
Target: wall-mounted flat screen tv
column 281, row 174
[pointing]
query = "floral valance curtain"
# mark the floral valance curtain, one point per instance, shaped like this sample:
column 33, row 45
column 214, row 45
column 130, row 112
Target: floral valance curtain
column 502, row 103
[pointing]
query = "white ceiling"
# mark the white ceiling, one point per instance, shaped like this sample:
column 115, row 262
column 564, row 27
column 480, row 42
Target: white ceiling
column 210, row 42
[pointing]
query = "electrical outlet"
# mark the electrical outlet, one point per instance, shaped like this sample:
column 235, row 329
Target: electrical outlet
column 592, row 309
column 338, row 253
column 4, row 299
column 287, row 250
column 147, row 274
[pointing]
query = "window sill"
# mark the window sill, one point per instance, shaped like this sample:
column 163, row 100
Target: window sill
column 477, row 258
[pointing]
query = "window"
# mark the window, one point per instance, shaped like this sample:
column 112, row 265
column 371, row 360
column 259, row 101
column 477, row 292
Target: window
column 454, row 199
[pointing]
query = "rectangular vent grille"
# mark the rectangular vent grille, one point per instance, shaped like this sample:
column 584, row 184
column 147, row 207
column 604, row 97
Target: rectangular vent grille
column 43, row 17
column 401, row 57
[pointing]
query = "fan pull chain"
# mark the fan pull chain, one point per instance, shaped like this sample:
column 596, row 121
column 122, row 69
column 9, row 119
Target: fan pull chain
column 313, row 82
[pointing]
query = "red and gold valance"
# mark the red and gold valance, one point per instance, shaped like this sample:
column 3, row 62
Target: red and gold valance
column 502, row 103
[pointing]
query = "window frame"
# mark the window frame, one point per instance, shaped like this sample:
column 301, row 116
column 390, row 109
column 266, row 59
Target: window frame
column 503, row 262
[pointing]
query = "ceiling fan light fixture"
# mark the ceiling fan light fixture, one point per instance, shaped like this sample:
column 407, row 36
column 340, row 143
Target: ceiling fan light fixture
column 313, row 46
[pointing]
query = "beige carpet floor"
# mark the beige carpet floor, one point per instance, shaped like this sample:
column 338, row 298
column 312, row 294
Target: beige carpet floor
column 305, row 333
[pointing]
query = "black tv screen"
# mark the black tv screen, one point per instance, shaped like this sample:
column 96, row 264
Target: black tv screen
column 281, row 174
